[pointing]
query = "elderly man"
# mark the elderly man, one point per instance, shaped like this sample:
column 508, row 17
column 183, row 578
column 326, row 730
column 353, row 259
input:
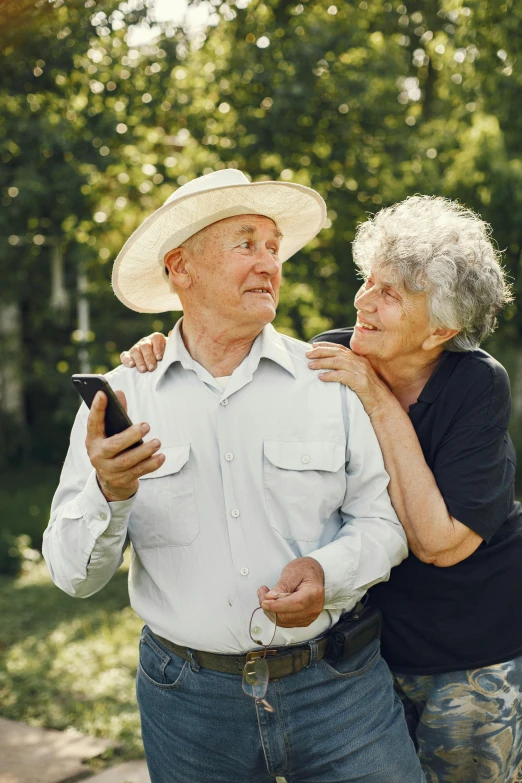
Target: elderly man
column 266, row 503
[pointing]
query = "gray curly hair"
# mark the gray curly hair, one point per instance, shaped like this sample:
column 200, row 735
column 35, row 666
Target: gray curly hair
column 434, row 245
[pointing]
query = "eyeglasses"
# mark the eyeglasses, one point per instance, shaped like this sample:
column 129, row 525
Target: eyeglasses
column 262, row 629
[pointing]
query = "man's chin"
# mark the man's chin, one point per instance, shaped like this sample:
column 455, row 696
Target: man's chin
column 272, row 316
column 262, row 314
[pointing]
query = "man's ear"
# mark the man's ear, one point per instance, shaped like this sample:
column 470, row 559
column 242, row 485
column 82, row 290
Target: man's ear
column 176, row 264
column 438, row 337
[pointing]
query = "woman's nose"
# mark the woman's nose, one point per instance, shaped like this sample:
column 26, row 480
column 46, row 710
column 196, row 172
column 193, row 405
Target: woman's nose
column 365, row 299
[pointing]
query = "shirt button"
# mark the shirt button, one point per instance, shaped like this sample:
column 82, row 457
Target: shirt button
column 229, row 457
column 103, row 516
column 235, row 512
column 306, row 459
column 224, row 402
column 244, row 572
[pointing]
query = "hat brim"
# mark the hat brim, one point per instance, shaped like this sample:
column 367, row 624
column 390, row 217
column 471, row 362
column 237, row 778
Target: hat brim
column 138, row 276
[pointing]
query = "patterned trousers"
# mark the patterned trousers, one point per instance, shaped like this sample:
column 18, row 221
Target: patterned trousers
column 467, row 725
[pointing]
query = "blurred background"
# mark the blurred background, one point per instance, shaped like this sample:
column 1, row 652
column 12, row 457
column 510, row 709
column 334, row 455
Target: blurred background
column 106, row 107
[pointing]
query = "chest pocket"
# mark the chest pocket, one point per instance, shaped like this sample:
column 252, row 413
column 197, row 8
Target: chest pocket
column 305, row 484
column 165, row 510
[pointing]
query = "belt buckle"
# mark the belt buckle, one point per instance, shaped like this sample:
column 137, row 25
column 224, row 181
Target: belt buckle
column 255, row 655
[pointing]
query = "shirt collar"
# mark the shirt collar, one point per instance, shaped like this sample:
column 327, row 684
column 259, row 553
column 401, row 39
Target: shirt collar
column 267, row 345
column 439, row 378
column 175, row 351
column 270, row 345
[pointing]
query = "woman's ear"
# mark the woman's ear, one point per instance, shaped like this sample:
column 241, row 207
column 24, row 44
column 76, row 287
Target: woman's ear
column 438, row 337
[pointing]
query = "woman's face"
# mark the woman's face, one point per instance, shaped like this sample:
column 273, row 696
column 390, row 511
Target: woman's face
column 391, row 323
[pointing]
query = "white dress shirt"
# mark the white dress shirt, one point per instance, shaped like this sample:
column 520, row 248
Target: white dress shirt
column 269, row 465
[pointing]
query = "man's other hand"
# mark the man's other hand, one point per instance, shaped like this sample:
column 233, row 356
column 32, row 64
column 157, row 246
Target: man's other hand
column 298, row 597
column 118, row 470
column 146, row 353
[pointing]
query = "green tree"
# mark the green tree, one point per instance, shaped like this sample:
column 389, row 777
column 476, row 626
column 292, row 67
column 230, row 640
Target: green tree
column 368, row 102
column 62, row 78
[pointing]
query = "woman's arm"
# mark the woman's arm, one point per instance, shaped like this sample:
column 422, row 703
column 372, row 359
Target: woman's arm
column 434, row 536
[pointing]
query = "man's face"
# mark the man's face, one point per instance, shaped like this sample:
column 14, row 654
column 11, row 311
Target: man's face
column 235, row 272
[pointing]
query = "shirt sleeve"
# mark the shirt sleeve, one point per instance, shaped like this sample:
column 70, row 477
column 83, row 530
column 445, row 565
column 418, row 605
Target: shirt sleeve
column 474, row 466
column 85, row 539
column 371, row 540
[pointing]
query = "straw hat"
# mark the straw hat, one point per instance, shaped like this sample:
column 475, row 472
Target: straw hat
column 139, row 279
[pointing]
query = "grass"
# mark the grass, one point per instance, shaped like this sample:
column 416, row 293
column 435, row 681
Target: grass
column 65, row 663
column 69, row 663
column 25, row 499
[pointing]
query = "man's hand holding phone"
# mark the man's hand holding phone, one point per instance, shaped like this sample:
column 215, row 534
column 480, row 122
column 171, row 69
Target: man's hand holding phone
column 117, row 469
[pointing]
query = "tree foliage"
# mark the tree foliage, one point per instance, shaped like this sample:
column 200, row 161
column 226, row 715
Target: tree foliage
column 368, row 102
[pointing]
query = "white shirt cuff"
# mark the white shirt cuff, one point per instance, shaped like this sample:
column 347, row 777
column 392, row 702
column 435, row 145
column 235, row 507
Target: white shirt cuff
column 100, row 515
column 339, row 575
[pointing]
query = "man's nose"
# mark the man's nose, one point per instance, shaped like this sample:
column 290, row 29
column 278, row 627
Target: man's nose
column 267, row 262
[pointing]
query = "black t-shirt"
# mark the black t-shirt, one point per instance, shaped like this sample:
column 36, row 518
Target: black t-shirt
column 467, row 615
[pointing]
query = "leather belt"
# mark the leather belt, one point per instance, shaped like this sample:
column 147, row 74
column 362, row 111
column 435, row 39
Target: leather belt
column 281, row 661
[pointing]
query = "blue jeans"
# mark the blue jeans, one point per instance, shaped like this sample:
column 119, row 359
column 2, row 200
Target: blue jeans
column 342, row 725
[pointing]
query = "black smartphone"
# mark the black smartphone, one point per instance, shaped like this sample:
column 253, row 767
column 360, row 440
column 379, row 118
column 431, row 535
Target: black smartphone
column 116, row 419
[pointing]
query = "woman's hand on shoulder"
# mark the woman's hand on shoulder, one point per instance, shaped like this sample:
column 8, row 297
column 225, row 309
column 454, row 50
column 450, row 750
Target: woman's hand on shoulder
column 146, row 353
column 341, row 365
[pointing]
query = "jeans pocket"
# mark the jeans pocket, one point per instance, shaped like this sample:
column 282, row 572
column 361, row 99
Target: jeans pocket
column 358, row 664
column 160, row 668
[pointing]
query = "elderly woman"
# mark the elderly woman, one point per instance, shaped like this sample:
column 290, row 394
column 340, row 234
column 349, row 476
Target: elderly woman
column 440, row 407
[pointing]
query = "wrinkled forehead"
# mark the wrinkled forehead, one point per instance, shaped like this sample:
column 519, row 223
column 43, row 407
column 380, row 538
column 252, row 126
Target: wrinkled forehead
column 248, row 228
column 242, row 226
column 385, row 274
column 405, row 278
